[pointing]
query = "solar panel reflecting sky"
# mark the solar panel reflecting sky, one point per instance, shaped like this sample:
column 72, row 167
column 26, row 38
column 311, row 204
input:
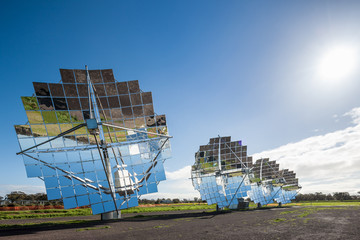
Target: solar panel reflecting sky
column 73, row 166
column 225, row 175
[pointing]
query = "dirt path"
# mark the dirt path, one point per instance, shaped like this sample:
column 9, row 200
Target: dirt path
column 276, row 223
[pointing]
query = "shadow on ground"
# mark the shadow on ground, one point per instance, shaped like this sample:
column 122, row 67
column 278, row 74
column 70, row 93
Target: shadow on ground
column 31, row 228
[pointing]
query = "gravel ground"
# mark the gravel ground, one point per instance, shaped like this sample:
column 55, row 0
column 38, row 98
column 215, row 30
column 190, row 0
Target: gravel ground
column 275, row 223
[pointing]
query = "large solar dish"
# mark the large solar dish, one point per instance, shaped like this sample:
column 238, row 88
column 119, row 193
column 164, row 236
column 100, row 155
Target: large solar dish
column 94, row 141
column 224, row 174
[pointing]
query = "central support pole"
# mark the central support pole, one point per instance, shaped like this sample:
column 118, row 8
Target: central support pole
column 94, row 113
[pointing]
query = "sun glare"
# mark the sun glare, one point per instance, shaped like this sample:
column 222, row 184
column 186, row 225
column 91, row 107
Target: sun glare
column 338, row 63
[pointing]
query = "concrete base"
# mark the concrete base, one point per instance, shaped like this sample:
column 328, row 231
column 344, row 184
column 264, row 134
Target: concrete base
column 243, row 205
column 111, row 215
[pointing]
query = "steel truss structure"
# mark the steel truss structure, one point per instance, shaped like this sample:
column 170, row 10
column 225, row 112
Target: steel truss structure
column 225, row 175
column 94, row 141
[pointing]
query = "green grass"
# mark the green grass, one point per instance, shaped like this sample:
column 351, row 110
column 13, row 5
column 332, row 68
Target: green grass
column 44, row 213
column 174, row 207
column 325, row 203
column 51, row 213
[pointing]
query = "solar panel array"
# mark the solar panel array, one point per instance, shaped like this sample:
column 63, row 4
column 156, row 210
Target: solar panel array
column 71, row 165
column 223, row 174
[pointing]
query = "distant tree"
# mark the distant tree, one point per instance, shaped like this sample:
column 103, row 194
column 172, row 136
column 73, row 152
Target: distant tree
column 146, row 201
column 57, row 202
column 158, row 201
column 176, row 200
column 342, row 196
column 16, row 196
column 329, row 197
column 39, row 196
column 319, row 196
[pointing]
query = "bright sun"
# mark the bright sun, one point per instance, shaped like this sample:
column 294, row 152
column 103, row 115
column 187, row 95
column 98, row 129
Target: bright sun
column 339, row 62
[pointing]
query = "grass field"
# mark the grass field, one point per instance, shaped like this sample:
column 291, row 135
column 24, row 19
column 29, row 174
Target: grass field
column 51, row 213
column 326, row 203
column 44, row 213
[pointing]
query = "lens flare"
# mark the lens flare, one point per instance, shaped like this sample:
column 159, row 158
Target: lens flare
column 340, row 62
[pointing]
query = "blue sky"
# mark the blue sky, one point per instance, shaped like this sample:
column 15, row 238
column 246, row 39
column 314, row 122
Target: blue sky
column 242, row 68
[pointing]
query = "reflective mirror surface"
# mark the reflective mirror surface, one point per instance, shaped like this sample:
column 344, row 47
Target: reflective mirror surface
column 225, row 175
column 72, row 165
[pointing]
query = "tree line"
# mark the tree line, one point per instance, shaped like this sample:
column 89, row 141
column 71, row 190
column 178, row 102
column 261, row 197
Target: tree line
column 319, row 196
column 21, row 198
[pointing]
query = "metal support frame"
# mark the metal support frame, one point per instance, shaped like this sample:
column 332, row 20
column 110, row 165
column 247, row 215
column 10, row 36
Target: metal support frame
column 51, row 139
column 247, row 174
column 135, row 130
column 103, row 151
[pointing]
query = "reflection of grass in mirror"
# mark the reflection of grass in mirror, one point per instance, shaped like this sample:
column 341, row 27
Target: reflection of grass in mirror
column 53, row 129
column 112, row 137
column 49, row 116
column 92, row 139
column 34, row 117
column 63, row 116
column 254, row 180
column 108, row 129
column 139, row 122
column 151, row 130
column 30, row 103
column 38, row 130
column 121, row 136
column 76, row 116
column 65, row 127
column 236, row 174
column 81, row 130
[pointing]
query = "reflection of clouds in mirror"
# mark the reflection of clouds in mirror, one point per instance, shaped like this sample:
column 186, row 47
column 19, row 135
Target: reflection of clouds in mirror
column 79, row 174
column 237, row 177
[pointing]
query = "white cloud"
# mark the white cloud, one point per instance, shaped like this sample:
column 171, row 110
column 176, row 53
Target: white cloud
column 177, row 185
column 325, row 163
column 354, row 114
